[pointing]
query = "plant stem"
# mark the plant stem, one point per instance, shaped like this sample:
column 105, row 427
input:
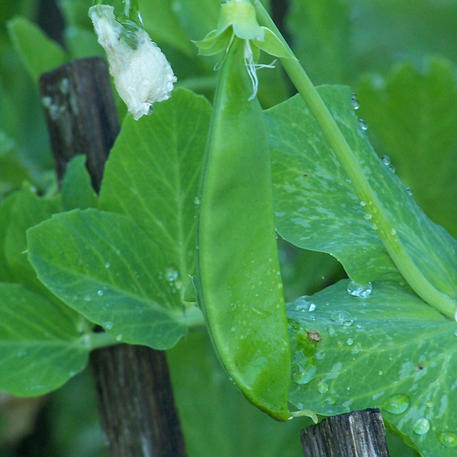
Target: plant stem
column 99, row 340
column 415, row 278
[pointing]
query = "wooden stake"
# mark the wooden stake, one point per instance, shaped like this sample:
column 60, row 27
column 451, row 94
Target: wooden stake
column 134, row 392
column 356, row 434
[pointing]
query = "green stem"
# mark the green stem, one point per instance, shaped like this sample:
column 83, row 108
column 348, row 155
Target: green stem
column 98, row 340
column 337, row 141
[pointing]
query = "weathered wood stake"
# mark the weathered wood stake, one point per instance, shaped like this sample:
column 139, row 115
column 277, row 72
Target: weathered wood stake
column 356, row 434
column 133, row 385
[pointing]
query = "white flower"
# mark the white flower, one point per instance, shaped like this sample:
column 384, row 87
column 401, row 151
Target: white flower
column 142, row 75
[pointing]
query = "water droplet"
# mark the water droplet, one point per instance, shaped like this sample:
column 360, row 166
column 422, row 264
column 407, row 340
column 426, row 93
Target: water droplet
column 349, row 341
column 409, row 191
column 303, row 368
column 363, row 203
column 108, row 325
column 119, row 337
column 107, row 265
column 171, row 275
column 363, row 124
column 393, row 232
column 358, row 290
column 422, row 426
column 355, row 102
column 448, row 439
column 386, row 160
column 99, row 292
column 380, row 372
column 197, row 201
column 312, row 307
column 396, row 404
column 322, row 387
column 342, row 317
column 367, row 216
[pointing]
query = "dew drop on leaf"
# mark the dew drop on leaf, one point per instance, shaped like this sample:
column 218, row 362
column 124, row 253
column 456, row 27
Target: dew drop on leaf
column 409, row 191
column 342, row 318
column 363, row 124
column 312, row 307
column 448, row 439
column 358, row 290
column 303, row 369
column 355, row 102
column 422, row 426
column 171, row 275
column 396, row 404
column 108, row 325
column 100, row 292
column 322, row 387
column 349, row 341
column 107, row 265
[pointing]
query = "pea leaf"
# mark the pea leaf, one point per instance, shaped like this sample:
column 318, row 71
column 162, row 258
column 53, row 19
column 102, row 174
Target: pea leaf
column 387, row 350
column 402, row 111
column 200, row 384
column 77, row 191
column 153, row 175
column 40, row 347
column 320, row 211
column 38, row 53
column 106, row 267
column 28, row 209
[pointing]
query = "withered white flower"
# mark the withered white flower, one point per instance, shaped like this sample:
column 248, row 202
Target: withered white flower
column 141, row 73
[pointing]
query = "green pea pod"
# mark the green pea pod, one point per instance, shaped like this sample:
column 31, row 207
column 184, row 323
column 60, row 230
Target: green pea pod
column 240, row 287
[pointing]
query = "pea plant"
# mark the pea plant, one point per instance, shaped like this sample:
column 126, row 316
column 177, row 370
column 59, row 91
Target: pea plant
column 224, row 197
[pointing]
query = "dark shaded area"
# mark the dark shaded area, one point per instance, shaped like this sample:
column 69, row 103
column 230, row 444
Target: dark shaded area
column 50, row 19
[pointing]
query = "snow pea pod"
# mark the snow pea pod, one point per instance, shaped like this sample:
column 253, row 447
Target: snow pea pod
column 240, row 288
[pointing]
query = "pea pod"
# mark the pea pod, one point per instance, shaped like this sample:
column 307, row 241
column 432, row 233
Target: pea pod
column 240, row 286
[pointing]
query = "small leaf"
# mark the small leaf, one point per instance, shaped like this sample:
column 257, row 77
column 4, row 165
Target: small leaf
column 40, row 347
column 107, row 268
column 77, row 191
column 389, row 350
column 28, row 210
column 38, row 53
column 271, row 44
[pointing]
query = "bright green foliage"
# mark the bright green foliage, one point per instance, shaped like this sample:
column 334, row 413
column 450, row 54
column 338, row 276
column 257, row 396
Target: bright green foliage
column 337, row 41
column 38, row 53
column 40, row 346
column 226, row 424
column 413, row 117
column 320, row 30
column 105, row 267
column 153, row 174
column 27, row 211
column 12, row 172
column 387, row 350
column 305, row 205
column 6, row 207
column 162, row 23
column 77, row 191
column 240, row 286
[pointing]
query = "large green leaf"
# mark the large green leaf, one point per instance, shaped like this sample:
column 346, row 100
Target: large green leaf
column 413, row 116
column 153, row 175
column 107, row 268
column 38, row 53
column 387, row 350
column 316, row 207
column 40, row 346
column 6, row 207
column 227, row 424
